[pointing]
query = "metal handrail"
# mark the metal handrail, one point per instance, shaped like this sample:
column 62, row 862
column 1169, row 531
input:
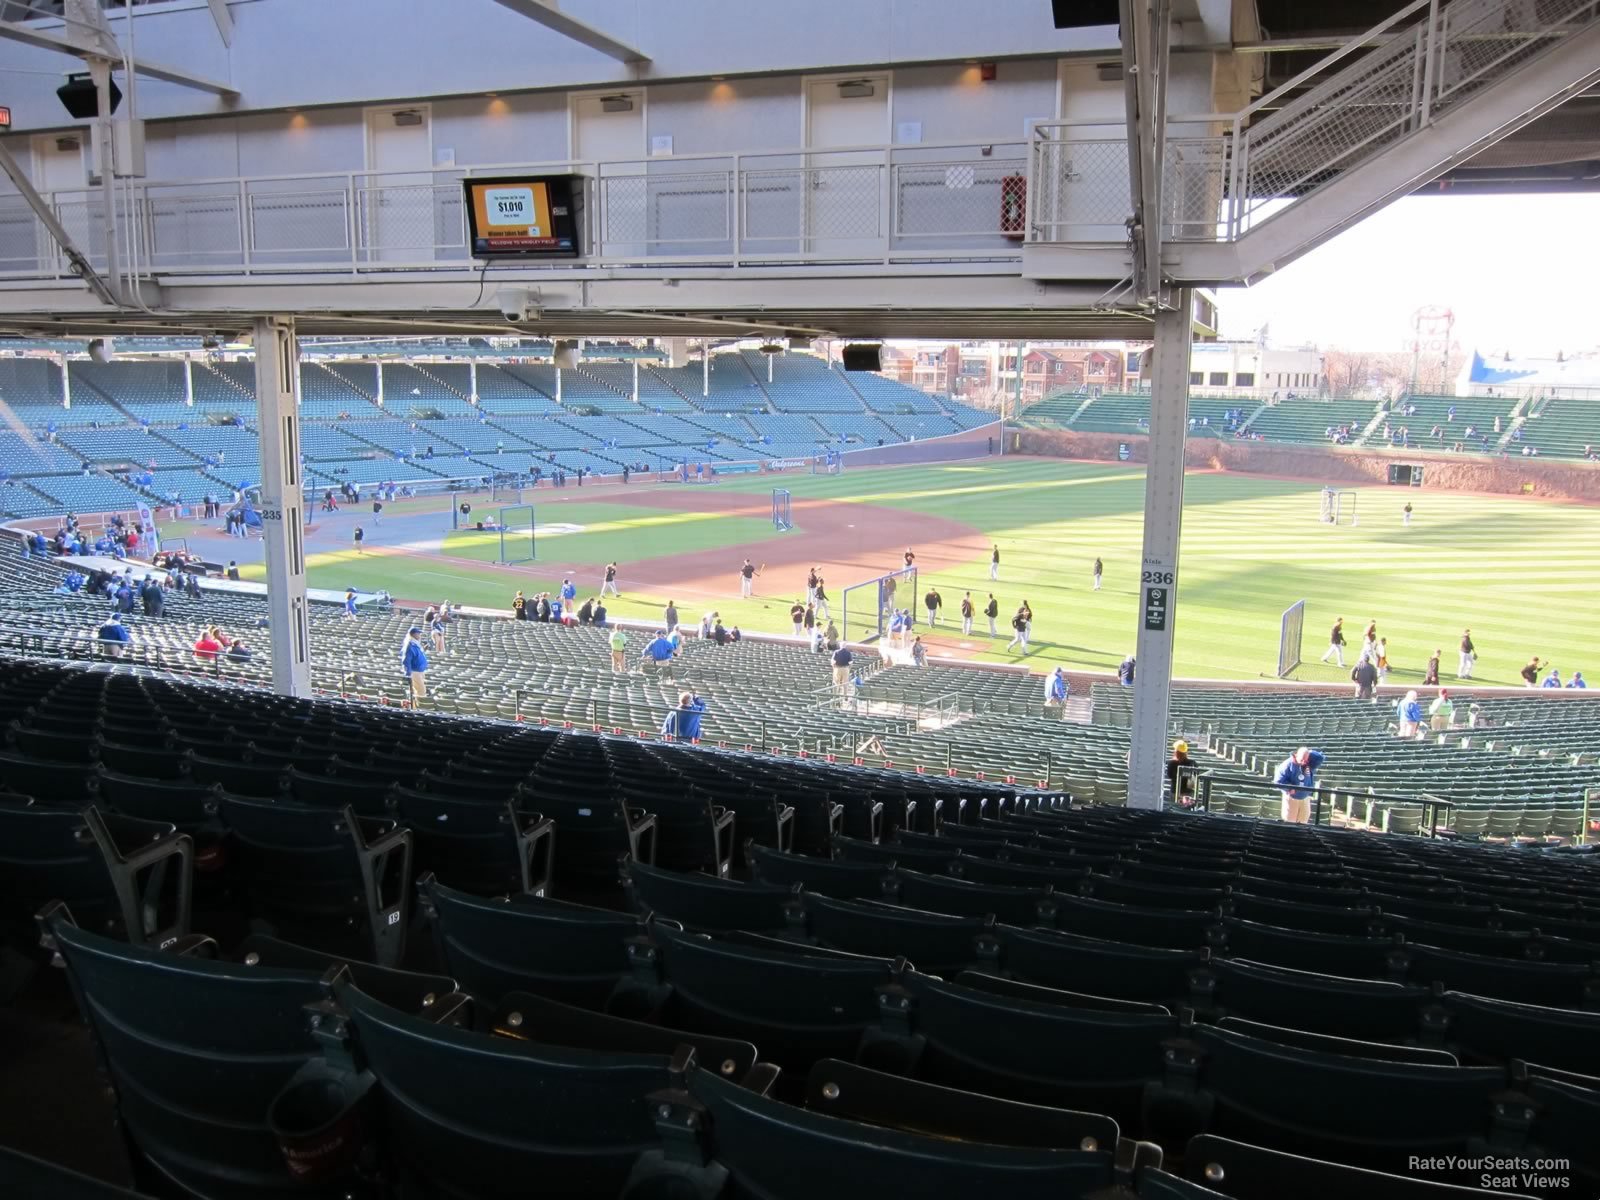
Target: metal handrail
column 1431, row 805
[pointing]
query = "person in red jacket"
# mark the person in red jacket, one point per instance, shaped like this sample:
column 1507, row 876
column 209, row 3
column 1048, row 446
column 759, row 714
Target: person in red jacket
column 207, row 647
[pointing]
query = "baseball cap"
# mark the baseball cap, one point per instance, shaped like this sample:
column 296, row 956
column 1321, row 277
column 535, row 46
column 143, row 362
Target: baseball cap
column 1180, row 747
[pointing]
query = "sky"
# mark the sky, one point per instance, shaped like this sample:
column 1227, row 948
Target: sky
column 1519, row 272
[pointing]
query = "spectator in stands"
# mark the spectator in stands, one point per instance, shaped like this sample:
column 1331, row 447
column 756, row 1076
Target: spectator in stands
column 992, row 610
column 191, row 585
column 1430, row 676
column 1335, row 642
column 658, row 651
column 919, row 653
column 933, row 602
column 414, row 663
column 233, row 570
column 619, row 651
column 1530, row 672
column 720, row 633
column 1181, row 776
column 113, row 636
column 671, row 616
column 1296, row 778
column 206, row 647
column 842, row 659
column 519, row 606
column 586, row 612
column 150, row 596
column 1126, row 670
column 1469, row 655
column 1099, row 570
column 1365, row 675
column 1409, row 712
column 683, row 722
column 124, row 597
column 1055, row 688
column 436, row 628
column 1577, row 680
column 1552, row 680
column 541, row 607
column 600, row 615
column 994, row 564
column 797, row 614
column 239, row 653
column 1442, row 712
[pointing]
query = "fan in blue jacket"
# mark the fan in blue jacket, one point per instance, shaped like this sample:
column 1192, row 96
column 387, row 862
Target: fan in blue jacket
column 683, row 722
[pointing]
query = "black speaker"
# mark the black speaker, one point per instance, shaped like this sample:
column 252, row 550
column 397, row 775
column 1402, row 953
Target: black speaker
column 1077, row 14
column 861, row 358
column 79, row 99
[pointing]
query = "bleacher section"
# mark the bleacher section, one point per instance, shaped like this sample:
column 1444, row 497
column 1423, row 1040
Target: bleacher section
column 501, row 393
column 1307, row 420
column 653, row 394
column 733, row 388
column 1560, row 428
column 410, row 391
column 152, row 391
column 803, row 383
column 886, row 395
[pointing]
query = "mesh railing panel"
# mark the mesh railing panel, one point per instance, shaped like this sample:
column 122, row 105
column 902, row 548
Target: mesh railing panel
column 953, row 199
column 1080, row 190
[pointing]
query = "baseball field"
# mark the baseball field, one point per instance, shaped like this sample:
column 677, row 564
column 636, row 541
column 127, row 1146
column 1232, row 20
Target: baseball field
column 1516, row 571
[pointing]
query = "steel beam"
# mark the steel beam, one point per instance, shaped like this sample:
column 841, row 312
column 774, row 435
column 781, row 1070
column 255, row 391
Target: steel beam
column 45, row 40
column 282, row 503
column 578, row 31
column 1158, row 565
column 47, row 217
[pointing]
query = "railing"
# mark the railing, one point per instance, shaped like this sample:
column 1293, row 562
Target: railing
column 871, row 204
column 1226, row 173
column 1431, row 807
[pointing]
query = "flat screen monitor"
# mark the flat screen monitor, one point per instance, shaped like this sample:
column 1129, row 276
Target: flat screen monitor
column 530, row 216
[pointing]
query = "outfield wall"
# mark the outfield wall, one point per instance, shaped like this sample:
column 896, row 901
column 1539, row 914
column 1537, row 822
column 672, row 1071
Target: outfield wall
column 1512, row 475
column 969, row 443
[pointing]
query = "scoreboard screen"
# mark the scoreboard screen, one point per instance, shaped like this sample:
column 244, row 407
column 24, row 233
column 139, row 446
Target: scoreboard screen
column 539, row 216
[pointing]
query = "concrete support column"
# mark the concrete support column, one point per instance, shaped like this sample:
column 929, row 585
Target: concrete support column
column 188, row 382
column 472, row 386
column 635, row 381
column 1158, row 566
column 705, row 368
column 282, row 501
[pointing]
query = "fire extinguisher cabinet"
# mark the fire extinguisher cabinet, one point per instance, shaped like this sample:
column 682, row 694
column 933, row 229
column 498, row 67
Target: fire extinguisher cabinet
column 1014, row 206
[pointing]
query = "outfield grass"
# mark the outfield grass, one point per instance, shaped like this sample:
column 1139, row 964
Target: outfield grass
column 1512, row 569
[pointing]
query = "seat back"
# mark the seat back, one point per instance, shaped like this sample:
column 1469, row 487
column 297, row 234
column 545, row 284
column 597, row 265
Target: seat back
column 775, row 1149
column 196, row 1050
column 569, row 952
column 481, row 1118
column 705, row 902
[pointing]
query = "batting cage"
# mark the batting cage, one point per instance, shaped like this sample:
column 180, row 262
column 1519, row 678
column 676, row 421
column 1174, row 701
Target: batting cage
column 1338, row 508
column 1291, row 634
column 829, row 463
column 507, row 488
column 865, row 609
column 780, row 509
column 516, row 534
